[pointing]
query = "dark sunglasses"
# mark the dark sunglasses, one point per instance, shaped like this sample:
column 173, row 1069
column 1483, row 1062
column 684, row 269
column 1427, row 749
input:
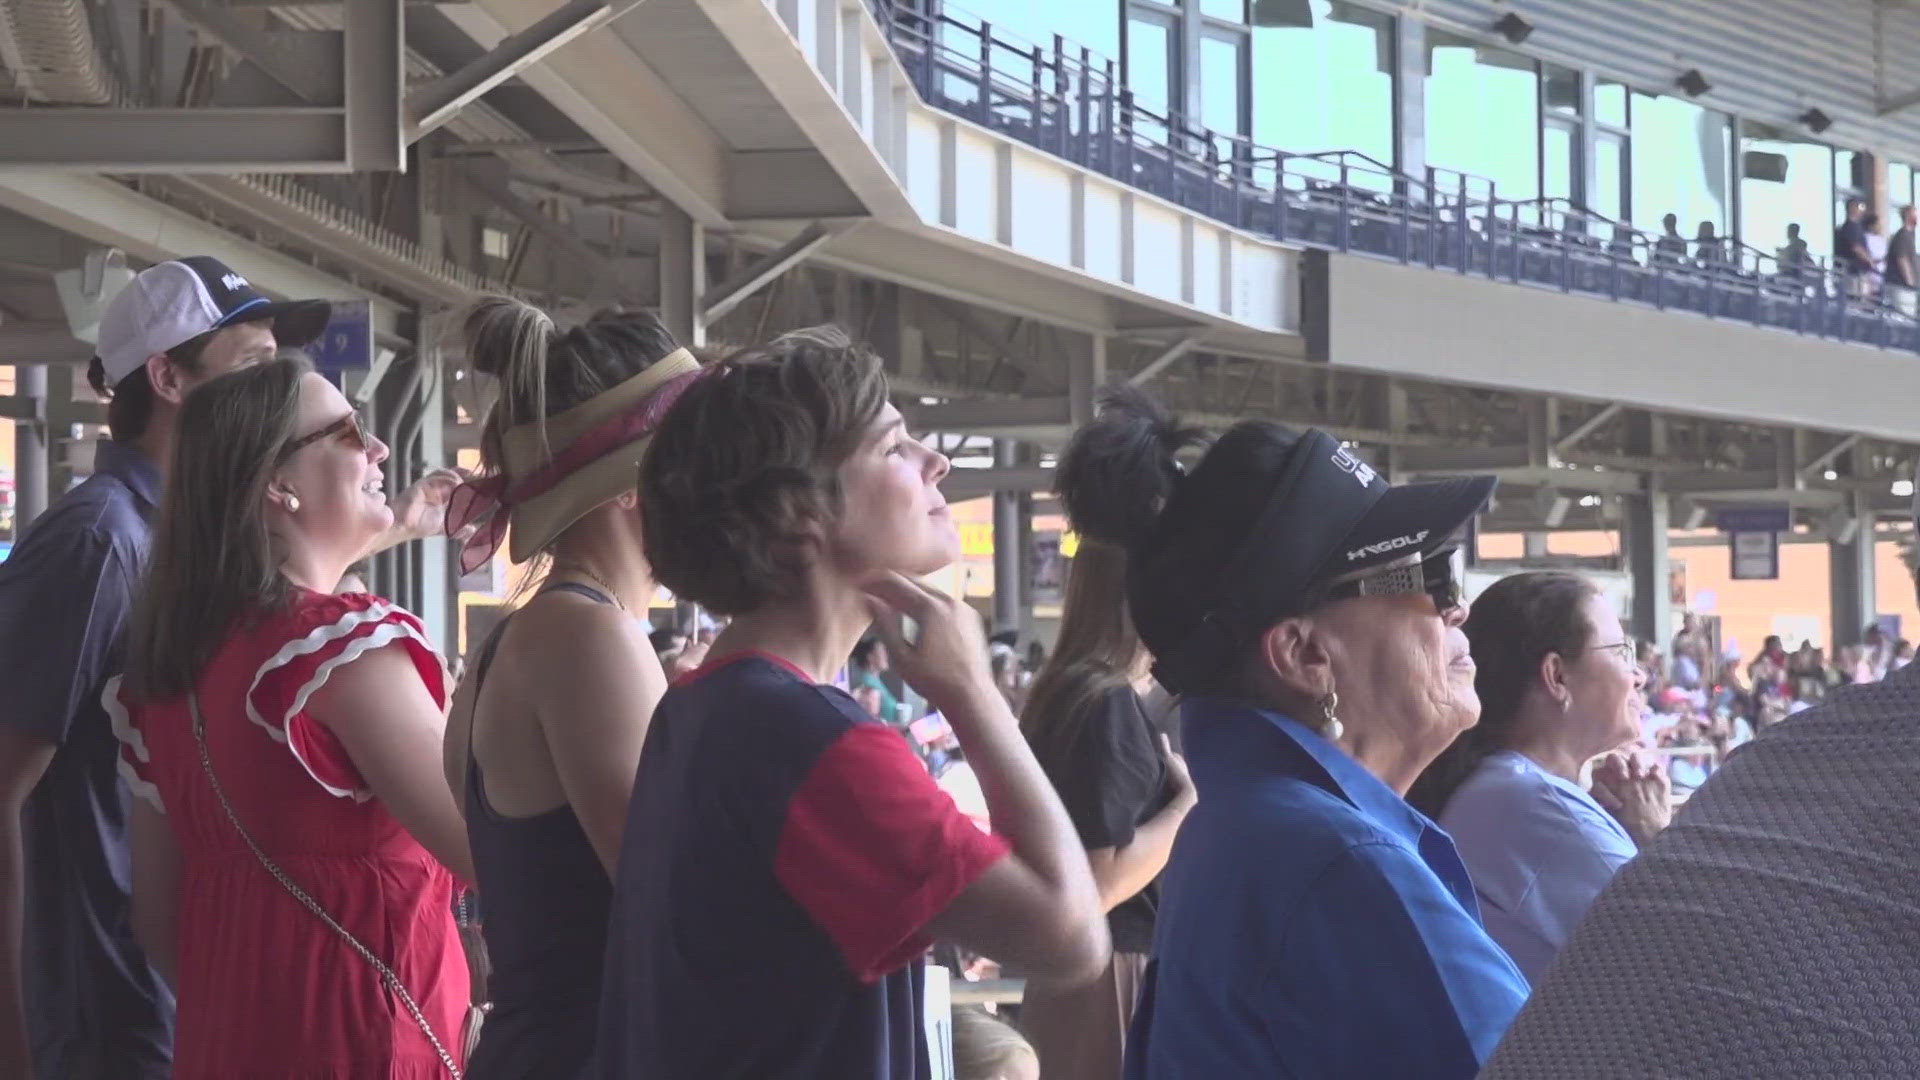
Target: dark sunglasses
column 347, row 429
column 1439, row 576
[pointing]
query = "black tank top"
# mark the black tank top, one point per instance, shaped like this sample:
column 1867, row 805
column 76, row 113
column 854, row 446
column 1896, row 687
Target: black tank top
column 544, row 898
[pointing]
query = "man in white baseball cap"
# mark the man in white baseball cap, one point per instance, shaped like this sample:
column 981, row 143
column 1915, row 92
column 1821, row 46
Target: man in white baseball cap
column 78, row 999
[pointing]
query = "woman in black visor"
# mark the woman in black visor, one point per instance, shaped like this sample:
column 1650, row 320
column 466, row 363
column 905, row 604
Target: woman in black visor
column 1311, row 923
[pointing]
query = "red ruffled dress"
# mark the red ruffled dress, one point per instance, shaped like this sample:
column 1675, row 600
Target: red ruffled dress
column 265, row 988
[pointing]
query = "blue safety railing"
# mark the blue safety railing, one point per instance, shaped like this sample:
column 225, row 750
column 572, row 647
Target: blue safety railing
column 1070, row 101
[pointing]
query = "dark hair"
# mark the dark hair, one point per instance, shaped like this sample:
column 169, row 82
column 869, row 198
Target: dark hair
column 544, row 371
column 130, row 401
column 1513, row 626
column 214, row 560
column 1179, row 531
column 1114, row 478
column 663, row 639
column 862, row 656
column 743, row 471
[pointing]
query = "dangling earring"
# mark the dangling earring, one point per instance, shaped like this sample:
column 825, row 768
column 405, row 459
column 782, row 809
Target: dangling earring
column 293, row 504
column 1566, row 705
column 1330, row 723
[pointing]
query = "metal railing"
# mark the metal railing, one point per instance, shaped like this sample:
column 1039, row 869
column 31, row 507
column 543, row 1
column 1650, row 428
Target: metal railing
column 1067, row 100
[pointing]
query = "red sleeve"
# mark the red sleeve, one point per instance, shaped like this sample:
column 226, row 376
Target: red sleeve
column 331, row 632
column 873, row 849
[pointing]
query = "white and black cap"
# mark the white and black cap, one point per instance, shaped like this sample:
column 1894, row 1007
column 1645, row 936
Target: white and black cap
column 1328, row 517
column 174, row 302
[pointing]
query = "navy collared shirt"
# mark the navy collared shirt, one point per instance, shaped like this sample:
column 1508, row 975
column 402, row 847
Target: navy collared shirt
column 94, row 1006
column 1312, row 924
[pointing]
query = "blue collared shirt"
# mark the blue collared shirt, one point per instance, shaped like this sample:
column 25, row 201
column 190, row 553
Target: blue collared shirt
column 1539, row 849
column 94, row 1006
column 1312, row 924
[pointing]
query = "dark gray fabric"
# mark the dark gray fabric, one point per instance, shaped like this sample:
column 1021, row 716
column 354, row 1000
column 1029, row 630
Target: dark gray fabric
column 1112, row 779
column 547, row 900
column 1771, row 931
column 65, row 594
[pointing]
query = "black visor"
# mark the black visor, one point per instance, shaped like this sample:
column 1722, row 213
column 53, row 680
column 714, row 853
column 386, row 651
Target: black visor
column 1328, row 517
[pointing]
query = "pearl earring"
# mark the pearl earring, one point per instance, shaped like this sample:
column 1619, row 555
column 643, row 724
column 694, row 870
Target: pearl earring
column 293, row 504
column 1330, row 723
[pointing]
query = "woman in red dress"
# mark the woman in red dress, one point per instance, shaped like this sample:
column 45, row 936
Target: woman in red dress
column 321, row 718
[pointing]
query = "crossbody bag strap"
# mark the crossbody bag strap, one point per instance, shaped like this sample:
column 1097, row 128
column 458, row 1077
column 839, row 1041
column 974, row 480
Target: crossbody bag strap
column 386, row 973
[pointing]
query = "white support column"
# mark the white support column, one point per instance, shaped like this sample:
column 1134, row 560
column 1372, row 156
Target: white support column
column 1084, row 380
column 1008, row 601
column 683, row 252
column 439, row 588
column 1850, row 570
column 1410, row 127
column 1646, row 524
column 31, row 461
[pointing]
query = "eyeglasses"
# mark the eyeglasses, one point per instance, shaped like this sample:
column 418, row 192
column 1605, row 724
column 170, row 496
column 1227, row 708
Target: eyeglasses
column 1438, row 576
column 1623, row 649
column 347, row 429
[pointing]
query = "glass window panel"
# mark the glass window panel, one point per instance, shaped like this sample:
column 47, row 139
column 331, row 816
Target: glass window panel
column 1091, row 25
column 1323, row 80
column 1222, row 111
column 1231, row 10
column 1609, row 176
column 1561, row 89
column 1849, row 173
column 1150, row 62
column 1786, row 181
column 1899, row 185
column 1483, row 113
column 1221, row 62
column 1682, row 165
column 1609, row 101
column 1556, row 163
column 1150, row 70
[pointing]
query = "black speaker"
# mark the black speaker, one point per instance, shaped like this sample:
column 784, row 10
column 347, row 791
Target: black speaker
column 1761, row 165
column 1514, row 28
column 1693, row 82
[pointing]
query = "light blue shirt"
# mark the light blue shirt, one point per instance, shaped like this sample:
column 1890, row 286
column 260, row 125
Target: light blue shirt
column 1312, row 924
column 1539, row 850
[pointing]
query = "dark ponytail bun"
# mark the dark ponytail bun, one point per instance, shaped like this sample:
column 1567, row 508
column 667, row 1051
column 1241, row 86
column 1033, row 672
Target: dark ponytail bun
column 1119, row 470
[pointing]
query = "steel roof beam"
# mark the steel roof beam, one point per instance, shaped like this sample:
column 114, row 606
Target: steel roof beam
column 308, row 80
column 1845, row 444
column 1160, row 363
column 724, row 297
column 106, row 212
column 1595, row 423
column 299, row 139
column 432, row 105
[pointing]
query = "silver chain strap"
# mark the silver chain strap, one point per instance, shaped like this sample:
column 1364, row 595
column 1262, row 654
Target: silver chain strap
column 386, row 973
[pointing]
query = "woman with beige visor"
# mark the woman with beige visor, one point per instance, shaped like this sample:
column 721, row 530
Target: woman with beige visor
column 545, row 733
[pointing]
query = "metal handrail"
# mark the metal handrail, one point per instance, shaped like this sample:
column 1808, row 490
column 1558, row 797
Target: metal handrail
column 1070, row 101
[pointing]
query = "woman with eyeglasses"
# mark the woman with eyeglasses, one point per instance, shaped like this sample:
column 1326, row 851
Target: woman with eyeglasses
column 295, row 847
column 1558, row 687
column 1311, row 923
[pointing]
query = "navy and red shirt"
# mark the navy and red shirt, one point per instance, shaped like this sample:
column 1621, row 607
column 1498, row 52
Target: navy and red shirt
column 783, row 855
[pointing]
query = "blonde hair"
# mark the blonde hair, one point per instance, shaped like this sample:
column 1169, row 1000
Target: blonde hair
column 984, row 1046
